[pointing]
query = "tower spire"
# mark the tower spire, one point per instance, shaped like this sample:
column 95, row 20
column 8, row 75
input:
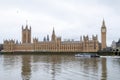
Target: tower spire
column 22, row 27
column 53, row 35
column 103, row 23
column 26, row 24
column 53, row 31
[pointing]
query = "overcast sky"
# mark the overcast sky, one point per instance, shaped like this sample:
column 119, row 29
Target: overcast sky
column 70, row 18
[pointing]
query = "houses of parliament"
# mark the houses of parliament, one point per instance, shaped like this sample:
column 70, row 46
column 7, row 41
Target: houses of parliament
column 85, row 44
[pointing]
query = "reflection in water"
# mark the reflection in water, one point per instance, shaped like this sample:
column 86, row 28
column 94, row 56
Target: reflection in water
column 104, row 69
column 48, row 64
column 55, row 67
column 64, row 67
column 26, row 67
column 89, row 67
column 10, row 61
column 58, row 67
column 9, row 67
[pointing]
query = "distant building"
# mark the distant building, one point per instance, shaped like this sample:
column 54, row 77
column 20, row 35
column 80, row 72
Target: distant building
column 85, row 44
column 116, row 47
column 113, row 46
column 1, row 47
column 118, row 43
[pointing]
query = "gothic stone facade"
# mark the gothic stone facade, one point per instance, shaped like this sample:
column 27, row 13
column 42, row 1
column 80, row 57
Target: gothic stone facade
column 85, row 44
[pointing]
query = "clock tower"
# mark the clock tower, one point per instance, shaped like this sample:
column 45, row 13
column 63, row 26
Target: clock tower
column 103, row 35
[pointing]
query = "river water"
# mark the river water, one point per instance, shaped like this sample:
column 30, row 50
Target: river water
column 58, row 67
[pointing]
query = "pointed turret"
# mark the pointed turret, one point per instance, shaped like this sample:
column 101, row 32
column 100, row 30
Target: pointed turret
column 81, row 38
column 26, row 26
column 30, row 28
column 53, row 35
column 44, row 39
column 103, row 24
column 47, row 37
column 22, row 27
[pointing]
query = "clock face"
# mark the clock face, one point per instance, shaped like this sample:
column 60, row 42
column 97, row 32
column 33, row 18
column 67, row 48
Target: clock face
column 103, row 30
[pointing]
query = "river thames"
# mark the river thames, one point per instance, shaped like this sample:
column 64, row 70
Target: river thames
column 58, row 67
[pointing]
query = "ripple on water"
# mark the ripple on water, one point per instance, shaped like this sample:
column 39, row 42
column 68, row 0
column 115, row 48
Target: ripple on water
column 58, row 67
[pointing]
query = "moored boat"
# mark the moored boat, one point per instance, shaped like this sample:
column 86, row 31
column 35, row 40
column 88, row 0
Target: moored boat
column 86, row 55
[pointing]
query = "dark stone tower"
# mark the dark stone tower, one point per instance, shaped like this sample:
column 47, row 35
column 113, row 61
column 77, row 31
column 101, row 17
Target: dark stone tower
column 26, row 35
